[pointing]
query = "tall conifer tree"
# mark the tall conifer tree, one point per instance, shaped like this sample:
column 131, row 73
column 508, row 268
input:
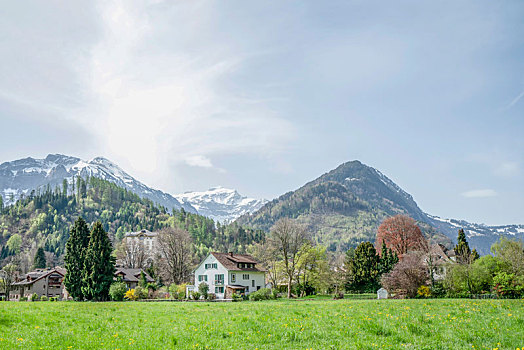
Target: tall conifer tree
column 74, row 258
column 463, row 253
column 99, row 265
column 39, row 261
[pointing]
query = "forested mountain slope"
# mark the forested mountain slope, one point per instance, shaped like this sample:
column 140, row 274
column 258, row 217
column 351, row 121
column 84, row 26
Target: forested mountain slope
column 43, row 218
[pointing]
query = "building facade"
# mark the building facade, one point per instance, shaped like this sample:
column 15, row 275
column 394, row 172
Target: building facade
column 228, row 273
column 41, row 282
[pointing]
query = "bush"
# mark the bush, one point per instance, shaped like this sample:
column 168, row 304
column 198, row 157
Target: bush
column 173, row 291
column 237, row 297
column 203, row 289
column 261, row 294
column 211, row 297
column 23, row 298
column 43, row 298
column 423, row 292
column 117, row 291
column 182, row 291
column 53, row 299
column 274, row 294
column 131, row 295
column 438, row 290
column 195, row 295
column 141, row 293
column 34, row 297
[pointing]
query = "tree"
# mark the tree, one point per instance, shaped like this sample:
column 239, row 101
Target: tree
column 388, row 259
column 14, row 243
column 132, row 254
column 401, row 234
column 269, row 258
column 463, row 253
column 313, row 269
column 407, row 276
column 76, row 247
column 99, row 265
column 7, row 277
column 511, row 253
column 174, row 245
column 288, row 237
column 40, row 260
column 203, row 289
column 364, row 267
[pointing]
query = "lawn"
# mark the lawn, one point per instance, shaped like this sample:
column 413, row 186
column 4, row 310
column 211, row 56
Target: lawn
column 299, row 324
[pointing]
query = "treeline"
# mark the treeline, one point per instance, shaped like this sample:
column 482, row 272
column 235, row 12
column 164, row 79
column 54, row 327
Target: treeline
column 43, row 219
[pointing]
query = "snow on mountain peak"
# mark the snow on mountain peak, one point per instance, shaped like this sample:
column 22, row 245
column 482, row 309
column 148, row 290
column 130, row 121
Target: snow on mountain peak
column 220, row 203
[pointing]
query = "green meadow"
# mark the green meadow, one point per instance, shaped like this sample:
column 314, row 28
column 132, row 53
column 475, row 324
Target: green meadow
column 282, row 324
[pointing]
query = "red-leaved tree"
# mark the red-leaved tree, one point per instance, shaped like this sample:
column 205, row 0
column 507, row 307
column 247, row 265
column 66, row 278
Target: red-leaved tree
column 401, row 234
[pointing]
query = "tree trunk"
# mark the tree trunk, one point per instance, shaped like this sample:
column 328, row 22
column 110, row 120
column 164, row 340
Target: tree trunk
column 290, row 280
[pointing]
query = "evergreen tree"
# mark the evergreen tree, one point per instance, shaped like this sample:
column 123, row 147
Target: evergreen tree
column 364, row 268
column 74, row 258
column 39, row 261
column 99, row 265
column 463, row 253
column 388, row 259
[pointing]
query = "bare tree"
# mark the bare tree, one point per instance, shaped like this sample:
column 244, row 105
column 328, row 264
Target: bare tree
column 7, row 277
column 407, row 276
column 268, row 256
column 132, row 254
column 175, row 253
column 288, row 237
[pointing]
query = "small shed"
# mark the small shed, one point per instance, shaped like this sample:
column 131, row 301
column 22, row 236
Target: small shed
column 382, row 293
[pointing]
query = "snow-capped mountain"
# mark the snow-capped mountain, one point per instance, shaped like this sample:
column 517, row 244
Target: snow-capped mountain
column 24, row 175
column 221, row 204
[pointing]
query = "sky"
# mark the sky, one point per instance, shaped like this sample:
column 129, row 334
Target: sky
column 266, row 96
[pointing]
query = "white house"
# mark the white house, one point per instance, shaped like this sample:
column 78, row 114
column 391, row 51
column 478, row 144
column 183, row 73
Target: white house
column 228, row 273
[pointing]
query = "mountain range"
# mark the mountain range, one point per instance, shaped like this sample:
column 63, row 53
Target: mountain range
column 22, row 176
column 220, row 204
column 346, row 205
column 343, row 207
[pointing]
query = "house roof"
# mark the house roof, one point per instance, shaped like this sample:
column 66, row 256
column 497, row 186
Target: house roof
column 33, row 276
column 146, row 233
column 132, row 275
column 230, row 261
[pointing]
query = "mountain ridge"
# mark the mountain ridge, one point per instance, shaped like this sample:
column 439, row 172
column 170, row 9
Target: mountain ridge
column 372, row 196
column 20, row 177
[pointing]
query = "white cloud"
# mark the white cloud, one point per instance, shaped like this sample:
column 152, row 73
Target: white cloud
column 157, row 103
column 514, row 101
column 507, row 169
column 481, row 193
column 199, row 161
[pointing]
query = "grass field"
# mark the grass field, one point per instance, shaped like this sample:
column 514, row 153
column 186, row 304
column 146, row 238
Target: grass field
column 300, row 324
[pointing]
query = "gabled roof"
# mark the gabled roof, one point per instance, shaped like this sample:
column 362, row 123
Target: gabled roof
column 132, row 275
column 230, row 261
column 33, row 276
column 145, row 233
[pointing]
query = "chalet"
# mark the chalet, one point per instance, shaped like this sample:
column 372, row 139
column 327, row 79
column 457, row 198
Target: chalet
column 41, row 282
column 228, row 273
column 131, row 277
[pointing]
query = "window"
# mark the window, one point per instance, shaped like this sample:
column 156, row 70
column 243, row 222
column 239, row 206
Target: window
column 211, row 266
column 245, row 276
column 233, row 278
column 252, row 283
column 219, row 290
column 219, row 279
column 202, row 278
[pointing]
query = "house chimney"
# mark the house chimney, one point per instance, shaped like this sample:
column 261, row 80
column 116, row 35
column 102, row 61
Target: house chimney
column 231, row 254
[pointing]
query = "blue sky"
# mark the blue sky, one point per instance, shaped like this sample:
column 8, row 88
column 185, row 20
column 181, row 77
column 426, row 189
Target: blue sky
column 265, row 96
